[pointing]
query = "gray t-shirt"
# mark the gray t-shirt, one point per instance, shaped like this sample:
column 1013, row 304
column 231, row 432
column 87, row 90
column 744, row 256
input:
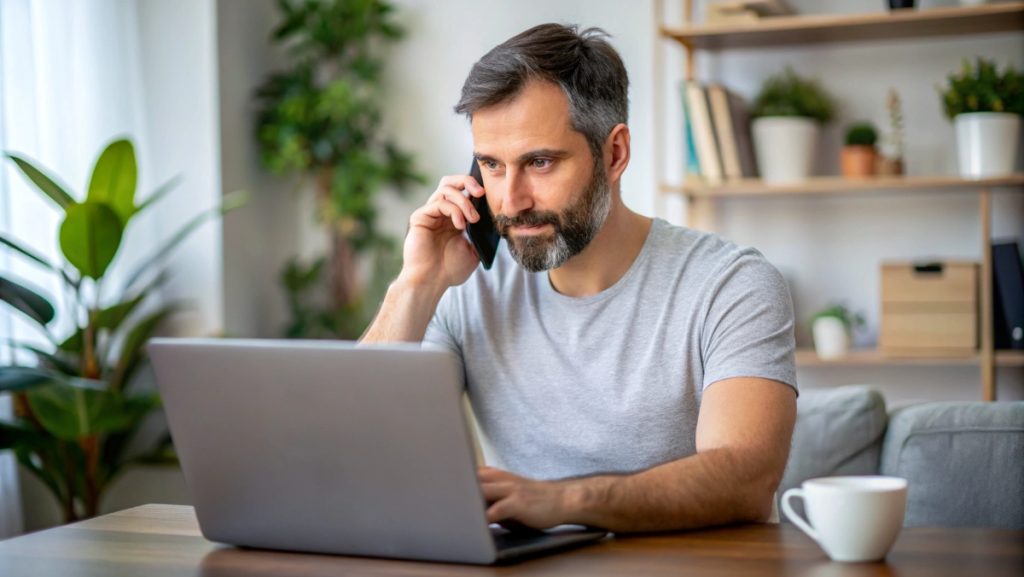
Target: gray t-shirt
column 564, row 387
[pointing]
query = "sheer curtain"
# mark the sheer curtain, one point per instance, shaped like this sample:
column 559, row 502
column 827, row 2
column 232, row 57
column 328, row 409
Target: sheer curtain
column 70, row 81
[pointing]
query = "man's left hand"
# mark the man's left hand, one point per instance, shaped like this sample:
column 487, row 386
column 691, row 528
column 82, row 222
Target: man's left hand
column 537, row 504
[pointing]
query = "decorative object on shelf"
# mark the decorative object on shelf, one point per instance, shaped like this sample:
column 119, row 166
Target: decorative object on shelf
column 889, row 161
column 857, row 158
column 745, row 11
column 929, row 309
column 77, row 408
column 321, row 118
column 900, row 4
column 832, row 328
column 986, row 107
column 787, row 114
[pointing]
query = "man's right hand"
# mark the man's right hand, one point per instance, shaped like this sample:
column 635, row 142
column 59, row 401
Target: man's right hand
column 436, row 253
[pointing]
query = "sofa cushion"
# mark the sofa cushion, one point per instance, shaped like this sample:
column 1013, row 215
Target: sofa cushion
column 964, row 463
column 838, row 432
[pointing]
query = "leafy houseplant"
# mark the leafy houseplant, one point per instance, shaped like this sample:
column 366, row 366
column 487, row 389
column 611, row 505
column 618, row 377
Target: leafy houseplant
column 986, row 107
column 787, row 113
column 76, row 407
column 890, row 160
column 321, row 118
column 857, row 158
column 831, row 328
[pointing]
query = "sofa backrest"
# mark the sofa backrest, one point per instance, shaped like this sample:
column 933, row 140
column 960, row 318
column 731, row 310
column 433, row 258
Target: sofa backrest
column 964, row 463
column 838, row 432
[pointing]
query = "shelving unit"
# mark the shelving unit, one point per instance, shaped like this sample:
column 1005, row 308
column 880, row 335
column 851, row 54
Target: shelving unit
column 833, row 29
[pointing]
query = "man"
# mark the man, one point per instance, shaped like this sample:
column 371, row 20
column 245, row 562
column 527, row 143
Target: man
column 625, row 373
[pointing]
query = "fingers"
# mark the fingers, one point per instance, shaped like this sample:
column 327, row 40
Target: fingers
column 449, row 201
column 496, row 491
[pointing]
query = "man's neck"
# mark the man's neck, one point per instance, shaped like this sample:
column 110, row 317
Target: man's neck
column 608, row 256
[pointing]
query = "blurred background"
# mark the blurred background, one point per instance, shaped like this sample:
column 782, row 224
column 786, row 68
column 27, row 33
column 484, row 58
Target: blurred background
column 284, row 145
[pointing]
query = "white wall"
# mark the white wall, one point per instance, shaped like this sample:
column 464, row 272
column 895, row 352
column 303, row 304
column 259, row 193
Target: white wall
column 259, row 238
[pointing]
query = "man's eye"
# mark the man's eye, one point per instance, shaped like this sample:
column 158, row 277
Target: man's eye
column 490, row 164
column 541, row 162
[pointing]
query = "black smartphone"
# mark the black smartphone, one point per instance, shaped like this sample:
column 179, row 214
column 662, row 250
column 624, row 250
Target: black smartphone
column 482, row 233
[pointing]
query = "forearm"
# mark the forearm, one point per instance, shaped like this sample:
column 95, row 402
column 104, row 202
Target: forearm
column 404, row 313
column 714, row 487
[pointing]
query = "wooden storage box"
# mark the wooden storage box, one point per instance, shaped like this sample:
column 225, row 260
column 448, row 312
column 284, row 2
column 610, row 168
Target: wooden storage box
column 929, row 309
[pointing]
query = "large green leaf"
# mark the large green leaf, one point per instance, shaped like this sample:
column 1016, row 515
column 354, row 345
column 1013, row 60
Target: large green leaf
column 14, row 378
column 114, row 179
column 43, row 182
column 27, row 301
column 229, row 203
column 14, row 434
column 71, row 413
column 90, row 237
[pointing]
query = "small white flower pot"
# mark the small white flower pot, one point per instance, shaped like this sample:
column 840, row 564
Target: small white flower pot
column 986, row 143
column 831, row 339
column 785, row 147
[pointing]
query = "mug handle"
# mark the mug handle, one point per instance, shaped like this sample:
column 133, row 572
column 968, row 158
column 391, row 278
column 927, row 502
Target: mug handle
column 791, row 514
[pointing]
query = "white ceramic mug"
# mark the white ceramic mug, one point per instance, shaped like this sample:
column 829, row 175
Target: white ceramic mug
column 852, row 518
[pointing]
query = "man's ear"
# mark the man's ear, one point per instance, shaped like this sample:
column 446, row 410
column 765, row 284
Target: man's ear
column 616, row 153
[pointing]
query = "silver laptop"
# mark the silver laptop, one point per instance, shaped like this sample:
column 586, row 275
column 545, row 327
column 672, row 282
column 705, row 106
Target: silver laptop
column 331, row 448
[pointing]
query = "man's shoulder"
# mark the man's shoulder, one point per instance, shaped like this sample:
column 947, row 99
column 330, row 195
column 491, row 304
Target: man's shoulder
column 699, row 251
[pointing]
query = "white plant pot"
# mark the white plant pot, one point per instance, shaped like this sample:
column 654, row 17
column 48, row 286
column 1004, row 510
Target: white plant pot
column 785, row 147
column 831, row 340
column 986, row 143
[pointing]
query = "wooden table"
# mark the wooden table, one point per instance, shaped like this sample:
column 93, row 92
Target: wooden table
column 164, row 540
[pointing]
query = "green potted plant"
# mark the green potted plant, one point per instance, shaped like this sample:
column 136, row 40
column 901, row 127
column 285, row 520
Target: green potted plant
column 787, row 114
column 985, row 106
column 76, row 405
column 857, row 158
column 832, row 328
column 321, row 119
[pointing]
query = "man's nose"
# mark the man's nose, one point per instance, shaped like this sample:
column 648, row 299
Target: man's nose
column 518, row 195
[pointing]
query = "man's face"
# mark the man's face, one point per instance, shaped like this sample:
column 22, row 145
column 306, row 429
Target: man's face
column 549, row 195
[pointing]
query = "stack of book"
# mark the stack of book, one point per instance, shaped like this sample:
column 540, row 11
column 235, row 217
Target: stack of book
column 717, row 134
column 745, row 11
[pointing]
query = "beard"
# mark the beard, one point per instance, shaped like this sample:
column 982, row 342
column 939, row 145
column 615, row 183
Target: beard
column 574, row 227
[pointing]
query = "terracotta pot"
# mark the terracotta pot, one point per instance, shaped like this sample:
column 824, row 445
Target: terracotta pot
column 858, row 161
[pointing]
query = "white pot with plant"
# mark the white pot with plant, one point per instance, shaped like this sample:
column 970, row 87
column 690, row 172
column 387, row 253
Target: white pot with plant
column 788, row 113
column 985, row 107
column 832, row 330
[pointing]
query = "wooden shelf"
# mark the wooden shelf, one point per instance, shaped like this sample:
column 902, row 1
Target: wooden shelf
column 1010, row 358
column 838, row 185
column 874, row 358
column 833, row 29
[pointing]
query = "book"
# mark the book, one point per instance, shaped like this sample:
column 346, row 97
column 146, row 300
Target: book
column 1008, row 286
column 703, row 133
column 691, row 164
column 732, row 128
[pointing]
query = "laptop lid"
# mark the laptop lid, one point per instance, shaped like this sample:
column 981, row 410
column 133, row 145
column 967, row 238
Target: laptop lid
column 325, row 447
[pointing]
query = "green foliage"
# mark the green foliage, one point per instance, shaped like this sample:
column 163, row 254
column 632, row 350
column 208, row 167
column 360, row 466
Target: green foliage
column 321, row 117
column 839, row 311
column 861, row 134
column 982, row 88
column 788, row 94
column 76, row 408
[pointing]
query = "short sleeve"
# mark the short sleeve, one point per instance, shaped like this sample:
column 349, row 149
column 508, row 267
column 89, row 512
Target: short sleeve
column 748, row 328
column 442, row 331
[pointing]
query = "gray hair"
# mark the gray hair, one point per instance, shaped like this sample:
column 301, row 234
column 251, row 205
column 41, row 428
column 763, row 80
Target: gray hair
column 585, row 66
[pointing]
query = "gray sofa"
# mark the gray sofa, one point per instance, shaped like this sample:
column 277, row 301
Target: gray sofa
column 964, row 460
